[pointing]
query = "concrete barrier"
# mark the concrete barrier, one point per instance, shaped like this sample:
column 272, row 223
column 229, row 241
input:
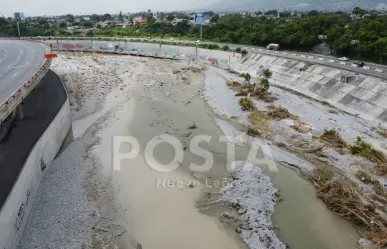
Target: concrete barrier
column 10, row 104
column 320, row 59
column 14, row 212
column 378, row 70
column 366, row 68
column 361, row 95
column 331, row 61
column 342, row 63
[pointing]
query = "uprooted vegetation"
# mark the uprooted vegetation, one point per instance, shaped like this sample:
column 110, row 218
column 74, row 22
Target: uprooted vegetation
column 193, row 69
column 75, row 88
column 246, row 104
column 258, row 90
column 365, row 150
column 333, row 139
column 259, row 124
column 279, row 113
column 380, row 193
column 342, row 197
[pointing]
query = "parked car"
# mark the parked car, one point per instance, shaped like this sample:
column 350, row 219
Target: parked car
column 343, row 59
column 358, row 64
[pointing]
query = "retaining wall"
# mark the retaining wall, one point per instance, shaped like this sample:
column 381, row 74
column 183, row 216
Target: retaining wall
column 14, row 212
column 220, row 58
column 365, row 96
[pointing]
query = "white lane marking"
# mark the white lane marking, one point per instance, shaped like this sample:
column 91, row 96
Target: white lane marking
column 15, row 74
column 28, row 62
column 9, row 65
column 17, row 57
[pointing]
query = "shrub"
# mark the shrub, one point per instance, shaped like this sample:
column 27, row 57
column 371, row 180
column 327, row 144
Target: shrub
column 246, row 104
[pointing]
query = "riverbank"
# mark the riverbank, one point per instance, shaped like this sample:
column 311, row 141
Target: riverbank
column 320, row 134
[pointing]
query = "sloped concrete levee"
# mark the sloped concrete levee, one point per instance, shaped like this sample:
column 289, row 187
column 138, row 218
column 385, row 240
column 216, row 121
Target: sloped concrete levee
column 358, row 94
column 27, row 153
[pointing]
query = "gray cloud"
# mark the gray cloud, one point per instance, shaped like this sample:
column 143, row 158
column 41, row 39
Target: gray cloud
column 57, row 7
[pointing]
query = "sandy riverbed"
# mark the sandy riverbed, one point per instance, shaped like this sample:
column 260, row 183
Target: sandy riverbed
column 136, row 206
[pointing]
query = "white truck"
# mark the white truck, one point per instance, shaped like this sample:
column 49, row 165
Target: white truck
column 273, row 46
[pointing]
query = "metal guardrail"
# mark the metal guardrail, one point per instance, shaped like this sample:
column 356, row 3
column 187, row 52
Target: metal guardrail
column 377, row 72
column 10, row 104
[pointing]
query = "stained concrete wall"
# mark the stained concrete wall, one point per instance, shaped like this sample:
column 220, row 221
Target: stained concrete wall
column 365, row 96
column 14, row 212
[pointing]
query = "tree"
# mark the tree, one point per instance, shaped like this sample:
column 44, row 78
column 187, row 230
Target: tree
column 162, row 15
column 107, row 17
column 62, row 25
column 95, row 18
column 90, row 33
column 87, row 24
column 215, row 18
column 313, row 13
column 380, row 49
column 263, row 86
column 70, row 18
column 120, row 16
column 359, row 12
column 170, row 17
column 225, row 47
column 99, row 26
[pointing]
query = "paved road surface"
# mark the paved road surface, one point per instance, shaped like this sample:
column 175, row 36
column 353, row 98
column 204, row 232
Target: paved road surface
column 18, row 61
column 40, row 108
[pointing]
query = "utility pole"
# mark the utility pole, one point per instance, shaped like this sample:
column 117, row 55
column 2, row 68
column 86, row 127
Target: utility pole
column 18, row 29
column 19, row 16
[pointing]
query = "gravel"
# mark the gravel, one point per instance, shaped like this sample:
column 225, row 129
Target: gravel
column 87, row 79
column 255, row 193
column 62, row 216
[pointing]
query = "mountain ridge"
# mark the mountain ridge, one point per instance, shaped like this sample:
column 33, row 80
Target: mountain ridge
column 250, row 5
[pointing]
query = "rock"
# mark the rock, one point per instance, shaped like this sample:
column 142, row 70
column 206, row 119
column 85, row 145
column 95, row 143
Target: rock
column 304, row 128
column 138, row 246
column 288, row 122
column 365, row 243
column 246, row 226
column 238, row 230
column 242, row 210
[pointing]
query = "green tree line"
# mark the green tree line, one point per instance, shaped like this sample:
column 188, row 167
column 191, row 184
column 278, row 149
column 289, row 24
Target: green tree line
column 363, row 36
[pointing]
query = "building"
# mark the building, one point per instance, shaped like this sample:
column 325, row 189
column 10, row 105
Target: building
column 140, row 20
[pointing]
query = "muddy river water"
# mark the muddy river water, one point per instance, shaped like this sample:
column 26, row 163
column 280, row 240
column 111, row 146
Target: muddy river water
column 167, row 217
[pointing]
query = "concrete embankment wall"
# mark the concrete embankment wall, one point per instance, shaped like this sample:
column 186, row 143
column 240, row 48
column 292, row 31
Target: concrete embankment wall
column 365, row 96
column 220, row 58
column 14, row 212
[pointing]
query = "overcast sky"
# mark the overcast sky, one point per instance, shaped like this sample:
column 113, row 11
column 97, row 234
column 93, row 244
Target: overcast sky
column 57, row 7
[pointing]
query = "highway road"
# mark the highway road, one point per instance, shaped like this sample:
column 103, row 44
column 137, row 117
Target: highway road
column 375, row 70
column 18, row 62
